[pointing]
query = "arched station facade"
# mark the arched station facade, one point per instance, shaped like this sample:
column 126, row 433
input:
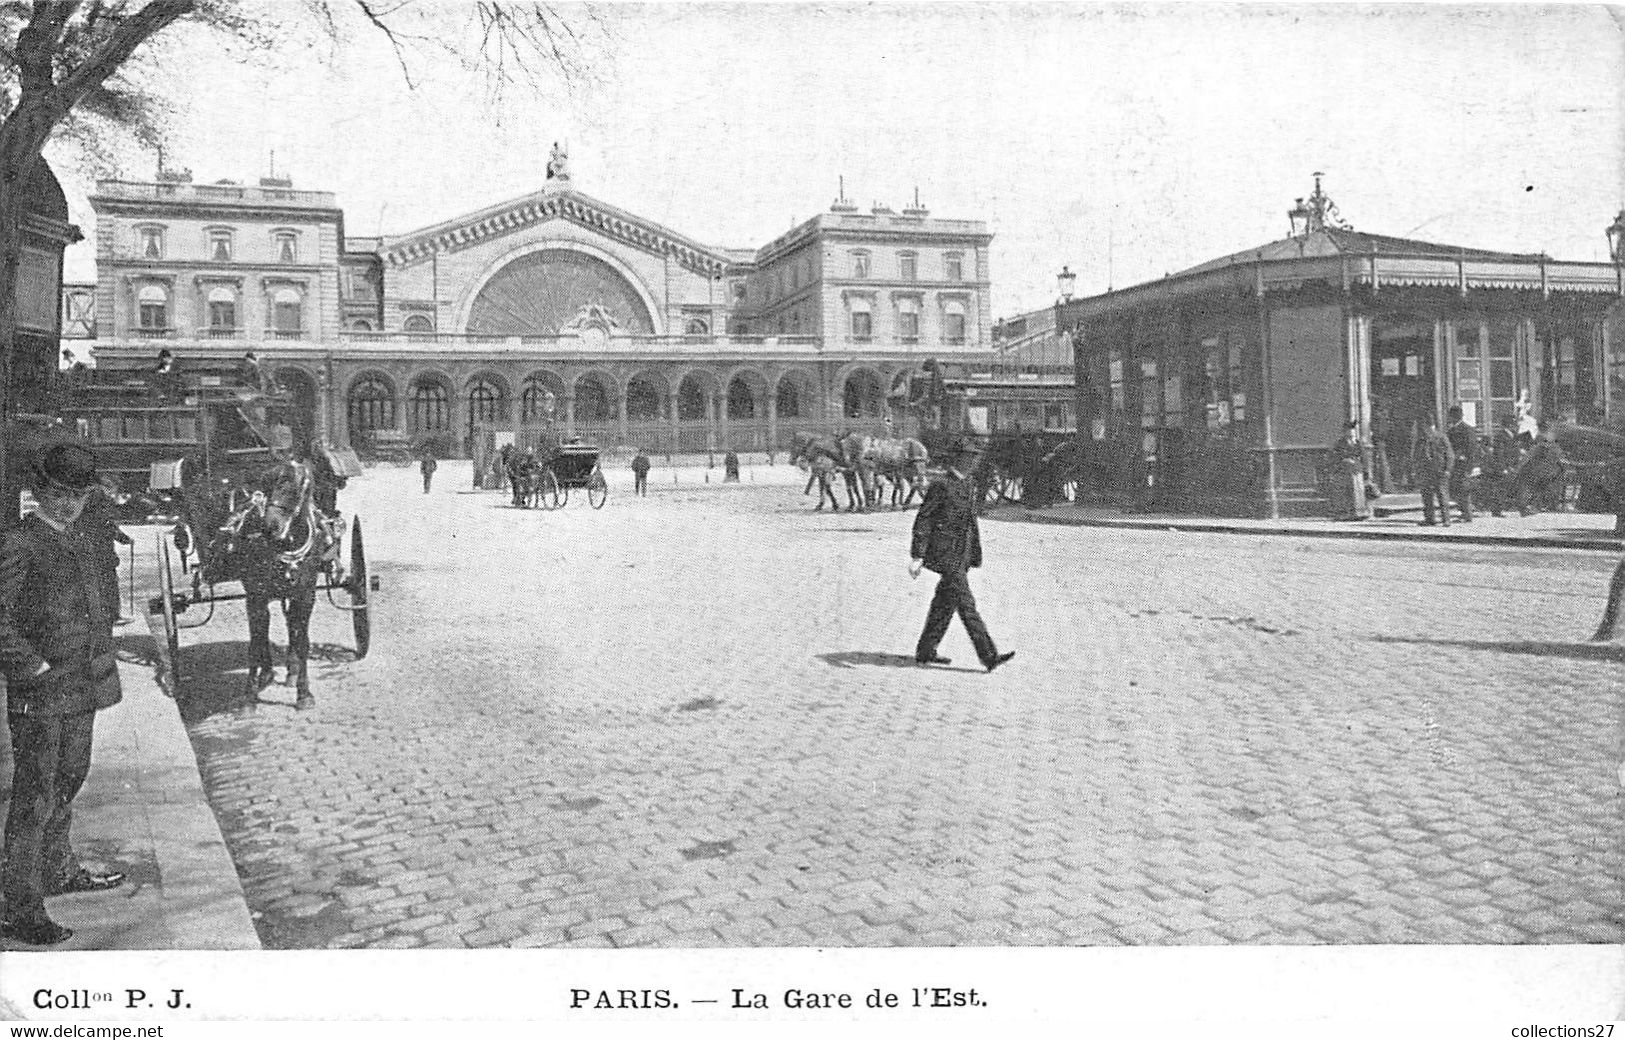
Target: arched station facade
column 550, row 308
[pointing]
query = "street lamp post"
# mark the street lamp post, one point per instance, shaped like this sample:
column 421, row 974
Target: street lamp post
column 1616, row 244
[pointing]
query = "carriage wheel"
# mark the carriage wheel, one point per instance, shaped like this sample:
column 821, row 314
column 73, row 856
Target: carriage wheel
column 597, row 488
column 169, row 653
column 358, row 587
column 549, row 493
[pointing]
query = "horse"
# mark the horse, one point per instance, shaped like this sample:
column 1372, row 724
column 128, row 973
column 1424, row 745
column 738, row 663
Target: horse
column 901, row 461
column 277, row 545
column 846, row 455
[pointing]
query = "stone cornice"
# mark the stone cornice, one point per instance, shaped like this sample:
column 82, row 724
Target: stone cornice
column 549, row 205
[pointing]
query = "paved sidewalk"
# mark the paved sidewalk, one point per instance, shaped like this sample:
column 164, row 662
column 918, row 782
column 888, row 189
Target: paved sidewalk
column 143, row 811
column 1542, row 530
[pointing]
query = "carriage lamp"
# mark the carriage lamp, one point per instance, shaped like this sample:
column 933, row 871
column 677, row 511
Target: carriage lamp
column 1066, row 281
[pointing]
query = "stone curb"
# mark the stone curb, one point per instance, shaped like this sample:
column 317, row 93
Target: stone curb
column 1434, row 538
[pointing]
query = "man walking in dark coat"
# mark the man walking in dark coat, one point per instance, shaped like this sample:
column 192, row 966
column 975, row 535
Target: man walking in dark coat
column 947, row 540
column 1432, row 465
column 640, row 473
column 56, row 650
column 1464, row 443
column 427, row 465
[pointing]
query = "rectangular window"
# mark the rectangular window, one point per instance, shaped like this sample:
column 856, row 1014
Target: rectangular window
column 908, row 267
column 862, row 328
column 220, row 246
column 152, row 243
column 1114, row 376
column 1150, row 395
column 860, row 265
column 287, row 248
column 954, row 268
column 154, row 317
column 908, row 325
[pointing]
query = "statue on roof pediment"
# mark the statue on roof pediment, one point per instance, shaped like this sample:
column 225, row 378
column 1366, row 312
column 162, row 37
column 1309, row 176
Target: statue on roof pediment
column 558, row 164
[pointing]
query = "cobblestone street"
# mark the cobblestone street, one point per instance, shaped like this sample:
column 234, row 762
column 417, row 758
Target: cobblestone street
column 691, row 720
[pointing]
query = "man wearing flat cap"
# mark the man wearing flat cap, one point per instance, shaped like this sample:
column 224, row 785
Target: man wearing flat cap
column 56, row 651
column 947, row 540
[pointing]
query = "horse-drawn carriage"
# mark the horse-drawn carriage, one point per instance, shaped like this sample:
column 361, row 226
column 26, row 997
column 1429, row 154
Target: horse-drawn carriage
column 258, row 517
column 549, row 475
column 1034, row 468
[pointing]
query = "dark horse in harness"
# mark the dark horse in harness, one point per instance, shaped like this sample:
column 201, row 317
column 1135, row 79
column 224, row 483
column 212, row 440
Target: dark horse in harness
column 277, row 544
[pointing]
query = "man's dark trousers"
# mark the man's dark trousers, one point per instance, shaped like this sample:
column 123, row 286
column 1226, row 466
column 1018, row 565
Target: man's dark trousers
column 953, row 596
column 52, row 759
column 1433, row 491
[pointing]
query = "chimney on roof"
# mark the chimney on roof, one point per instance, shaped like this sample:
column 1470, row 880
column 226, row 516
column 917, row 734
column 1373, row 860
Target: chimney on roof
column 916, row 210
column 881, row 207
column 842, row 204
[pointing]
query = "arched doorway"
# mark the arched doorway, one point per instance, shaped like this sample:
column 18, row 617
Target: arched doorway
column 369, row 407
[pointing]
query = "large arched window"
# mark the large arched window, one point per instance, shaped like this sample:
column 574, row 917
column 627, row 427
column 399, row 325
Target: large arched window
column 418, row 324
column 371, row 407
column 431, row 407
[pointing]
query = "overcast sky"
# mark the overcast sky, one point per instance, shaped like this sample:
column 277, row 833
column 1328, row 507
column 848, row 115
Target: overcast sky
column 1124, row 141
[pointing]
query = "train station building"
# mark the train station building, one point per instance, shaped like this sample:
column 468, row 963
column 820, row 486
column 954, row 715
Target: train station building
column 550, row 308
column 1218, row 389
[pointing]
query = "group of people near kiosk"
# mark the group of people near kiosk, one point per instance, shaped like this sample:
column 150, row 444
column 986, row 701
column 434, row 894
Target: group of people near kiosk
column 1518, row 466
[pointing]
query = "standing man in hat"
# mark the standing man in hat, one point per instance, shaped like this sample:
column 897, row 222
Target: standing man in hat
column 56, row 650
column 947, row 540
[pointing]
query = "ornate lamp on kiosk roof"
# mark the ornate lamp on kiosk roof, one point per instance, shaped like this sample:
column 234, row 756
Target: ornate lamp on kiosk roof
column 1316, row 214
column 1065, row 282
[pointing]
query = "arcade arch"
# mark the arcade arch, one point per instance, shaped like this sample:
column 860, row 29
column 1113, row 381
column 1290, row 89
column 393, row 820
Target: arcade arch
column 539, row 397
column 594, row 398
column 487, row 398
column 747, row 397
column 646, row 394
column 862, row 396
column 796, row 396
column 369, row 406
column 695, row 395
column 428, row 400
